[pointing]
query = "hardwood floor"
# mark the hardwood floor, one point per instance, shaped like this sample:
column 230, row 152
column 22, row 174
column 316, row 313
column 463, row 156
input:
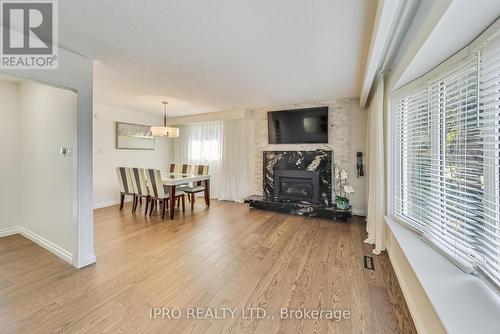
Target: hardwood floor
column 226, row 256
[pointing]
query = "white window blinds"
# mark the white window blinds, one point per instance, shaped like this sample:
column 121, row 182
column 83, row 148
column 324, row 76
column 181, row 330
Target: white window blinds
column 447, row 162
column 489, row 117
column 412, row 179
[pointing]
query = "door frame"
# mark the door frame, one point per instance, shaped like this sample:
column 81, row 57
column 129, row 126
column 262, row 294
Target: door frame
column 75, row 73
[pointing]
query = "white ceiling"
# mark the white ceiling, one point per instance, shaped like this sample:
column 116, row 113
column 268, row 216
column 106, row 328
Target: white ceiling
column 219, row 55
column 463, row 21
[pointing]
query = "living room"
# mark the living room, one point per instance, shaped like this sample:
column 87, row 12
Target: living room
column 265, row 166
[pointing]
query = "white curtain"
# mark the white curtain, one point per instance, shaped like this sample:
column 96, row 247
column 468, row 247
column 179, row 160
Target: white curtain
column 376, row 194
column 201, row 144
column 236, row 169
column 225, row 146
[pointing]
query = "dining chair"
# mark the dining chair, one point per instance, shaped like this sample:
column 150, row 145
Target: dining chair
column 180, row 169
column 125, row 184
column 140, row 187
column 159, row 192
column 197, row 187
column 172, row 168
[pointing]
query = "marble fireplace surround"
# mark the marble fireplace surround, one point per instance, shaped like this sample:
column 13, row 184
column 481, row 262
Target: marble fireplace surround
column 317, row 160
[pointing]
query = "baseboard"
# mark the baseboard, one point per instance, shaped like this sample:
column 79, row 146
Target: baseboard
column 87, row 261
column 5, row 232
column 51, row 247
column 105, row 204
column 359, row 212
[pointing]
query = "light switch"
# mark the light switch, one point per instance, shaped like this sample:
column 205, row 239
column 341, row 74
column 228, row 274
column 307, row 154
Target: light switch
column 66, row 151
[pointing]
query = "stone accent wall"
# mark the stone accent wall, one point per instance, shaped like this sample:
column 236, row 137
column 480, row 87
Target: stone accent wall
column 338, row 136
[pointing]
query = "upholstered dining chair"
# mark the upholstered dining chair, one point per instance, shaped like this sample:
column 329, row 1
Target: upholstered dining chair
column 180, row 169
column 125, row 184
column 171, row 168
column 141, row 189
column 159, row 192
column 197, row 187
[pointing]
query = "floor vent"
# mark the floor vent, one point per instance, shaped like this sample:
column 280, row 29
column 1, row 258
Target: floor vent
column 369, row 262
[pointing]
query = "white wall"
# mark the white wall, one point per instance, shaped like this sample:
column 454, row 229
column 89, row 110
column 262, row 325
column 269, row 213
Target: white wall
column 357, row 138
column 48, row 179
column 38, row 194
column 9, row 151
column 211, row 116
column 107, row 157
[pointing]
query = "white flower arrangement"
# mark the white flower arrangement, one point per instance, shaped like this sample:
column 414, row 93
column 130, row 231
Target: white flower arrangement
column 345, row 190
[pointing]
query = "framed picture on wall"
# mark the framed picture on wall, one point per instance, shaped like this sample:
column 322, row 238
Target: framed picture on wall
column 134, row 137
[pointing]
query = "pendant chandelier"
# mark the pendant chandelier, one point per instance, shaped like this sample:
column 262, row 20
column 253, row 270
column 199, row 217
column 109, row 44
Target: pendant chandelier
column 165, row 131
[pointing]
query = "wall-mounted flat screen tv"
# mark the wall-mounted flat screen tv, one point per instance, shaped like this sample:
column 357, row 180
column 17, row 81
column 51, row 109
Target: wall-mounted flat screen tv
column 298, row 126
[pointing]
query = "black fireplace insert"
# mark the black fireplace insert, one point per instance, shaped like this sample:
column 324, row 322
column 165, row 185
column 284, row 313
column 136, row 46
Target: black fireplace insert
column 296, row 185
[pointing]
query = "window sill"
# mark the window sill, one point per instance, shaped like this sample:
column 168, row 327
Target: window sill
column 463, row 302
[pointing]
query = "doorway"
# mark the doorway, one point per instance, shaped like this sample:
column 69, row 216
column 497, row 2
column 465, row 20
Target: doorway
column 38, row 136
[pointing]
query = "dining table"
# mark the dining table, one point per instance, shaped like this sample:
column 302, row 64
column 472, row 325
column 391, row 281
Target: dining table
column 173, row 180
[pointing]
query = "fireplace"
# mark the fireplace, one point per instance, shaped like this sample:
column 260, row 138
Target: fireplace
column 296, row 185
column 302, row 177
column 297, row 182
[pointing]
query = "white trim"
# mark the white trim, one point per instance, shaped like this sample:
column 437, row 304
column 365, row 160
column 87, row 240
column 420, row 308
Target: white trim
column 359, row 212
column 424, row 21
column 89, row 260
column 105, row 204
column 5, row 232
column 380, row 40
column 48, row 245
column 392, row 21
column 84, row 178
column 462, row 302
column 450, row 62
column 412, row 306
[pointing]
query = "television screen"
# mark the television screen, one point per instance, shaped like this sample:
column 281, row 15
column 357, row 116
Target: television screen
column 298, row 126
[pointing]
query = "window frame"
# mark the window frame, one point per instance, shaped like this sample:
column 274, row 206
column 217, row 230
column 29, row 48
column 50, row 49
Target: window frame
column 393, row 142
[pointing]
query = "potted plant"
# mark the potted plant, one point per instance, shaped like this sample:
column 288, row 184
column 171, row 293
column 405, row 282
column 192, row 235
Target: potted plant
column 342, row 199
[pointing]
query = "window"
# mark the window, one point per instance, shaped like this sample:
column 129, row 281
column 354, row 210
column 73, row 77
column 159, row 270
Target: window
column 447, row 160
column 201, row 144
column 198, row 143
column 204, row 150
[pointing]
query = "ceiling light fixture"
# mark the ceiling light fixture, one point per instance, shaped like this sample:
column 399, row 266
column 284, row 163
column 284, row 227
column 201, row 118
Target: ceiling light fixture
column 165, row 131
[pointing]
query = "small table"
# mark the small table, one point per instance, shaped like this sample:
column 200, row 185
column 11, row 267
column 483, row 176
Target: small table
column 173, row 180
